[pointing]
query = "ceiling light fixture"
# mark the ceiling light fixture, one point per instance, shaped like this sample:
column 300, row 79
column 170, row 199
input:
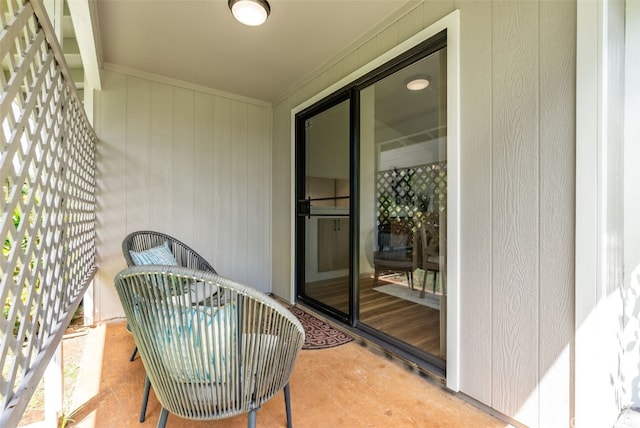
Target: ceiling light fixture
column 418, row 83
column 250, row 12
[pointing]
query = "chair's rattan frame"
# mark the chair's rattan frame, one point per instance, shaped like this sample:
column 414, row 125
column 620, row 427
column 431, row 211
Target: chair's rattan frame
column 185, row 256
column 243, row 371
column 145, row 239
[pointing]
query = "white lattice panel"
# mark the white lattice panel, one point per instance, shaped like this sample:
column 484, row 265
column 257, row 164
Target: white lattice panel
column 402, row 192
column 47, row 169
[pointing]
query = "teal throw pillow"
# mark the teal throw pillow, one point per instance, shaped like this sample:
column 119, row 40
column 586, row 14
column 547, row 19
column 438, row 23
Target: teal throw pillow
column 160, row 255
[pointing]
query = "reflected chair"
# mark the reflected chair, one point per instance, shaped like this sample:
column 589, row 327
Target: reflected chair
column 148, row 246
column 209, row 356
column 394, row 253
column 426, row 254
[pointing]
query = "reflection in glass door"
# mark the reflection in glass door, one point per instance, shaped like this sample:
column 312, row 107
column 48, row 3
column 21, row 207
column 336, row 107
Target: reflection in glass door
column 323, row 209
column 371, row 190
column 403, row 189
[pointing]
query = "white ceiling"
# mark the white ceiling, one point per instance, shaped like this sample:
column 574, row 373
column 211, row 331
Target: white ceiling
column 199, row 41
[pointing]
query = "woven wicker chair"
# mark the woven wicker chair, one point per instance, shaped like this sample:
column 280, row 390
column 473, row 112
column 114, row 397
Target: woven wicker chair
column 146, row 239
column 214, row 356
column 185, row 256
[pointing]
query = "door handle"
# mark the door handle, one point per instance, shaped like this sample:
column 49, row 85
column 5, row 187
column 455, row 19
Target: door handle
column 304, row 207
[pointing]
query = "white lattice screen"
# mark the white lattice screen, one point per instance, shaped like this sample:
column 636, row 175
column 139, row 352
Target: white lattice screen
column 402, row 192
column 47, row 169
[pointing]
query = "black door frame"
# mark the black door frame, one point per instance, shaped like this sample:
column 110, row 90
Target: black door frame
column 352, row 92
column 302, row 207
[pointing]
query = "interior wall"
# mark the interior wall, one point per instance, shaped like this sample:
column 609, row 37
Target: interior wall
column 190, row 163
column 517, row 195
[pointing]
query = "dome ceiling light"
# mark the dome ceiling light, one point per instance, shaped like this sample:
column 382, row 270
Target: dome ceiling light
column 250, row 12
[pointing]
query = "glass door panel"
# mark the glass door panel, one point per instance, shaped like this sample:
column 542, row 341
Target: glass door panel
column 326, row 213
column 371, row 190
column 403, row 188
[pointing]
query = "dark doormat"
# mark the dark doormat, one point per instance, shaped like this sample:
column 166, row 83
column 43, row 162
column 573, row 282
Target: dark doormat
column 319, row 334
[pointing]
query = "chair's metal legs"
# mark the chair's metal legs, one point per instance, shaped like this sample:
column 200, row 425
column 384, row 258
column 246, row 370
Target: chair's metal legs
column 133, row 356
column 252, row 419
column 410, row 279
column 162, row 422
column 252, row 414
column 147, row 388
column 145, row 398
column 135, row 349
column 287, row 404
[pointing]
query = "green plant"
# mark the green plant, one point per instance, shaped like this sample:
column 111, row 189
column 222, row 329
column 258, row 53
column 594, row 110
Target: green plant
column 8, row 245
column 66, row 418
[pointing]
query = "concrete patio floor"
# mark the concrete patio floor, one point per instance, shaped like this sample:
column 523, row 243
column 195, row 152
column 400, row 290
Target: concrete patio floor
column 346, row 386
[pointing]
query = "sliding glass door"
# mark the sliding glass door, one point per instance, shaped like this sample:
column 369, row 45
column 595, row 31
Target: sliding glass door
column 403, row 206
column 371, row 189
column 323, row 207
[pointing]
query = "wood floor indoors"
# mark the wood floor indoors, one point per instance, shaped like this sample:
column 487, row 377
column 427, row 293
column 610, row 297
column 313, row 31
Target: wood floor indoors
column 415, row 324
column 345, row 386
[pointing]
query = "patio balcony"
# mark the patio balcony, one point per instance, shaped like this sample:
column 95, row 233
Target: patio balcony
column 544, row 315
column 351, row 385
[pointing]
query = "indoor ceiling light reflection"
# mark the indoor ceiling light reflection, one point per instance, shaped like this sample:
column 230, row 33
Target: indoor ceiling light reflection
column 418, row 83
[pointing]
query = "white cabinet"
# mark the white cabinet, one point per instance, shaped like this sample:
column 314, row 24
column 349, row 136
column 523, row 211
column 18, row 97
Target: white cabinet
column 326, row 249
column 333, row 243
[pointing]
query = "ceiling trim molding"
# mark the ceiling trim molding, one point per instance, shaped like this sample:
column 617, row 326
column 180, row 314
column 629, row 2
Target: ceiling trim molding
column 182, row 84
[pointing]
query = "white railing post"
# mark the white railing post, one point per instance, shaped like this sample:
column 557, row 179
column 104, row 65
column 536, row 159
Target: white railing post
column 54, row 389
